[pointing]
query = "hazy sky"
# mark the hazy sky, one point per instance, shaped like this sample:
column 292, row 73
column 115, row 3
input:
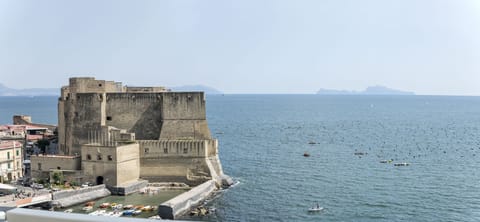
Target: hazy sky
column 258, row 46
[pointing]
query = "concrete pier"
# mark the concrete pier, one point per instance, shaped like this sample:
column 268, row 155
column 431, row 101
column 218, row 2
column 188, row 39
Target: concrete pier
column 68, row 198
column 183, row 202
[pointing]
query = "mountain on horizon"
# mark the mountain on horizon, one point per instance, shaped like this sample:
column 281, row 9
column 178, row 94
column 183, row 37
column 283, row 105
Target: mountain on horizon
column 371, row 90
column 6, row 91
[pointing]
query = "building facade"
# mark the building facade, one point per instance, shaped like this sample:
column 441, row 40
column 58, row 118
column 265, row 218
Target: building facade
column 11, row 164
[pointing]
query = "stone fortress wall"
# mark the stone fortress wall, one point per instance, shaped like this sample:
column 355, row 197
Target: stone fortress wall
column 171, row 129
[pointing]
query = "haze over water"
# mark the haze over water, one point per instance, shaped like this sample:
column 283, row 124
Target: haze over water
column 263, row 137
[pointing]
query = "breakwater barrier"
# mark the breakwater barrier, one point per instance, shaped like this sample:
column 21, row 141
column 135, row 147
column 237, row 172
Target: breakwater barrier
column 183, row 202
column 68, row 198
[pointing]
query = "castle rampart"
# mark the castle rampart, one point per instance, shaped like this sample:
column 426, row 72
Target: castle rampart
column 170, row 130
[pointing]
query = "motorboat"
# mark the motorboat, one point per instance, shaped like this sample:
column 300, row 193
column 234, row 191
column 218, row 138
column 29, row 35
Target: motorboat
column 128, row 212
column 306, row 154
column 401, row 164
column 105, row 205
column 128, row 207
column 315, row 209
column 68, row 210
column 87, row 208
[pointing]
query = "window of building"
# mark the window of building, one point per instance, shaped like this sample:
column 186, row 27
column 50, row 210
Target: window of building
column 39, row 166
column 58, row 168
column 109, row 118
column 8, row 155
column 147, row 150
column 89, row 157
column 110, row 158
column 9, row 166
column 165, row 150
column 185, row 150
column 99, row 157
column 18, row 152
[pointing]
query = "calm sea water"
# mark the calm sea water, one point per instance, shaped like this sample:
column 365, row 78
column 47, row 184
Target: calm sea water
column 263, row 137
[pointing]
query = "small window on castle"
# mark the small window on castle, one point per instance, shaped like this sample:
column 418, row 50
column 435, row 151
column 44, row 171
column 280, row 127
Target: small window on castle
column 165, row 150
column 110, row 158
column 58, row 168
column 109, row 118
column 99, row 157
column 99, row 85
column 76, row 114
column 39, row 166
column 89, row 157
column 147, row 150
column 185, row 150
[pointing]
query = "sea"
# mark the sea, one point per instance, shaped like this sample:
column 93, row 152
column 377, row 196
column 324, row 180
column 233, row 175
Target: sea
column 263, row 139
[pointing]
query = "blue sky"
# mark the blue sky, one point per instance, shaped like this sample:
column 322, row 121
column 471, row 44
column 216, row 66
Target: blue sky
column 258, row 46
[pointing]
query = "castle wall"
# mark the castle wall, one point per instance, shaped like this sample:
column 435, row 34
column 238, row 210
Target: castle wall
column 41, row 164
column 82, row 113
column 184, row 116
column 174, row 141
column 176, row 160
column 138, row 113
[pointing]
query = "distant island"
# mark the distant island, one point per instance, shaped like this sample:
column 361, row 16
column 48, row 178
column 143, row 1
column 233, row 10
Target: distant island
column 196, row 88
column 5, row 91
column 371, row 90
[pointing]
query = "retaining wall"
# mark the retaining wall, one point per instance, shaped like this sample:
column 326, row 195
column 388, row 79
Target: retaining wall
column 68, row 198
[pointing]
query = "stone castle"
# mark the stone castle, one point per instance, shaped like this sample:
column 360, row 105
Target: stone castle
column 117, row 135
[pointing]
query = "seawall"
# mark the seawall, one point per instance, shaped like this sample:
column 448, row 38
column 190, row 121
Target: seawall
column 68, row 198
column 183, row 202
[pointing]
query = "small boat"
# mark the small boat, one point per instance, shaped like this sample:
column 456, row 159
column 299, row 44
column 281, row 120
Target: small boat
column 147, row 208
column 90, row 203
column 359, row 153
column 117, row 214
column 114, row 214
column 87, row 208
column 315, row 209
column 98, row 213
column 138, row 207
column 117, row 206
column 68, row 210
column 312, row 142
column 104, row 205
column 306, row 154
column 128, row 207
column 136, row 212
column 155, row 217
column 128, row 212
column 401, row 164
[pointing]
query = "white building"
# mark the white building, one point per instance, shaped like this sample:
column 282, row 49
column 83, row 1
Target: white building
column 10, row 160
